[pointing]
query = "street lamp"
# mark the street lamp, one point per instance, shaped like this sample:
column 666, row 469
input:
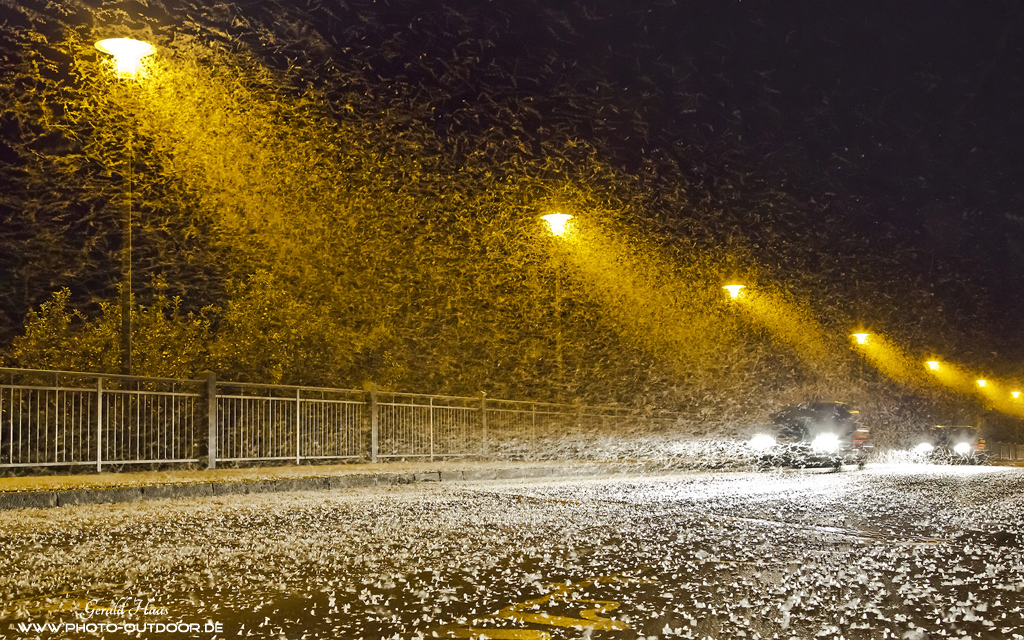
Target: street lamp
column 1015, row 395
column 556, row 224
column 128, row 54
column 861, row 338
column 982, row 383
column 933, row 365
column 734, row 290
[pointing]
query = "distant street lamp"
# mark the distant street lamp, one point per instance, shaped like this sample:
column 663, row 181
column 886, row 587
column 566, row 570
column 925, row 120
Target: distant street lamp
column 933, row 365
column 982, row 383
column 128, row 54
column 1015, row 395
column 556, row 224
column 861, row 338
column 734, row 290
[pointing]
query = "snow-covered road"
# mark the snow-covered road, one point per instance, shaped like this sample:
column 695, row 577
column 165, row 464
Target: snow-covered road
column 888, row 552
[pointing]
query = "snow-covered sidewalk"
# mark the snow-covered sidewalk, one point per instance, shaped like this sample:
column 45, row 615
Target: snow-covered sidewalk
column 59, row 490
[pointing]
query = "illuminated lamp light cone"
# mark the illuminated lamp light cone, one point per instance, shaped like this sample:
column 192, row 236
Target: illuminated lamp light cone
column 1015, row 394
column 556, row 222
column 982, row 383
column 861, row 338
column 128, row 53
column 734, row 290
column 933, row 365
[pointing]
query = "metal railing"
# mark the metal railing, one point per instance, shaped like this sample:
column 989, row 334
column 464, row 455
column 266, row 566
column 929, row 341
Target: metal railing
column 278, row 422
column 1006, row 451
column 412, row 425
column 61, row 418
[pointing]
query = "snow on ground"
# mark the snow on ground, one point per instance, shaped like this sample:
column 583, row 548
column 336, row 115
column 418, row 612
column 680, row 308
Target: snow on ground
column 890, row 552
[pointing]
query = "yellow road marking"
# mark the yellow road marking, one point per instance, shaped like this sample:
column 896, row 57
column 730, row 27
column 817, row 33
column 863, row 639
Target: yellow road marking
column 496, row 634
column 561, row 592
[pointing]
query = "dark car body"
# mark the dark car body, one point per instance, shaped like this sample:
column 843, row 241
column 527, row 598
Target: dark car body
column 797, row 430
column 944, row 441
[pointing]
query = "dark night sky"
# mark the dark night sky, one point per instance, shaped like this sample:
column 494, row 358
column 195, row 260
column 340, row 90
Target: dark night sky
column 913, row 110
column 910, row 113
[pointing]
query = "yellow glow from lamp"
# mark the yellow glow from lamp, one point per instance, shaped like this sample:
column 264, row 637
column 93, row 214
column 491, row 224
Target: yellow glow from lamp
column 861, row 338
column 556, row 222
column 128, row 53
column 933, row 365
column 1015, row 394
column 982, row 383
column 734, row 290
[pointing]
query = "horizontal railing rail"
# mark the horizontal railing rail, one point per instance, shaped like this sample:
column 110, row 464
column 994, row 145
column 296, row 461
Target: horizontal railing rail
column 68, row 418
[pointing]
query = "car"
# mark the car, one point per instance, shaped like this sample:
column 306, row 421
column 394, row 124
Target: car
column 813, row 434
column 952, row 445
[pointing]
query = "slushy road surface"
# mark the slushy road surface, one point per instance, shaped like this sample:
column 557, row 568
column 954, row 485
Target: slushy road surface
column 887, row 552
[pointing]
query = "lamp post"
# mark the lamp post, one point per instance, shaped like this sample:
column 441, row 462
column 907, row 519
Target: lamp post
column 128, row 54
column 557, row 225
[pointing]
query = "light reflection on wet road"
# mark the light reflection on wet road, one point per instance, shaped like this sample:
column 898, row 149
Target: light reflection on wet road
column 888, row 552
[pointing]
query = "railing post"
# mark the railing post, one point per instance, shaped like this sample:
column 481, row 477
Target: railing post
column 431, row 429
column 99, row 424
column 298, row 425
column 211, row 420
column 533, row 426
column 483, row 421
column 373, row 422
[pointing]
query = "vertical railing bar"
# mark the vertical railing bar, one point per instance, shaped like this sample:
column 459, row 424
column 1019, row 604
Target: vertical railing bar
column 21, row 411
column 212, row 420
column 174, row 431
column 46, row 427
column 298, row 425
column 374, row 418
column 69, row 434
column 483, row 420
column 10, row 420
column 29, row 456
column 99, row 425
column 138, row 422
column 431, row 429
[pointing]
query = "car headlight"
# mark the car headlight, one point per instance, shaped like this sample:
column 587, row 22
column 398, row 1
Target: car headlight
column 924, row 447
column 762, row 442
column 963, row 448
column 827, row 442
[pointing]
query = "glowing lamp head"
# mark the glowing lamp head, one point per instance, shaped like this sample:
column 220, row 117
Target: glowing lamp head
column 556, row 222
column 734, row 290
column 982, row 383
column 963, row 448
column 128, row 53
column 1015, row 394
column 861, row 338
column 933, row 365
column 924, row 447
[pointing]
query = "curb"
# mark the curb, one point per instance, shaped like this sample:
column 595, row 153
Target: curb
column 48, row 499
